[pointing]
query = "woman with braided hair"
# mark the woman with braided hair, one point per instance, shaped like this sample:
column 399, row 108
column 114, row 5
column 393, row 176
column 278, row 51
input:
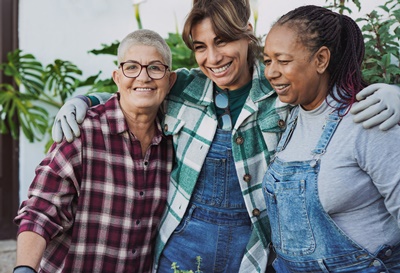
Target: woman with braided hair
column 332, row 188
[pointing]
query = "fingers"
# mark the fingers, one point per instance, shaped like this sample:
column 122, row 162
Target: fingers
column 56, row 131
column 66, row 126
column 381, row 107
column 66, row 129
column 67, row 119
column 80, row 110
column 366, row 111
column 369, row 90
column 390, row 122
column 73, row 124
column 378, row 119
column 364, row 104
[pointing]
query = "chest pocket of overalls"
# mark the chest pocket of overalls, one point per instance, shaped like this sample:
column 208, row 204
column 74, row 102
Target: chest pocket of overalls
column 286, row 205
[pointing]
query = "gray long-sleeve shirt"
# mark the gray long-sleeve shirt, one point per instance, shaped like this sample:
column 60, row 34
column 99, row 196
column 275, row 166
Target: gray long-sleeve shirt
column 359, row 179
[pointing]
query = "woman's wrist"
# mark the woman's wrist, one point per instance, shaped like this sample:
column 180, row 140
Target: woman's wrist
column 24, row 269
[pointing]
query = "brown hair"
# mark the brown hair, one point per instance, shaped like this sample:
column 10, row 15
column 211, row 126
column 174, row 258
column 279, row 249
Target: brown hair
column 229, row 19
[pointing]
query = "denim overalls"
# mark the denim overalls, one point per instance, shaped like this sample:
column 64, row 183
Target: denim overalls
column 216, row 225
column 304, row 236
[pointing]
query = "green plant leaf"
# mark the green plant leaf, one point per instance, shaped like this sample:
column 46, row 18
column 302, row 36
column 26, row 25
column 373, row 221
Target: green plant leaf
column 106, row 49
column 62, row 78
column 106, row 85
column 25, row 70
column 31, row 119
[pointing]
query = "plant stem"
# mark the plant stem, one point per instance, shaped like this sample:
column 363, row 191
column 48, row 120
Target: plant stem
column 49, row 100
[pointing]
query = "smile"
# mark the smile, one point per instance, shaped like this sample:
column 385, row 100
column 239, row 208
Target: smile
column 221, row 69
column 280, row 87
column 143, row 89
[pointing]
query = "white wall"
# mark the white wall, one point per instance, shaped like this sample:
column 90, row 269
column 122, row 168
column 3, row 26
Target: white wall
column 68, row 29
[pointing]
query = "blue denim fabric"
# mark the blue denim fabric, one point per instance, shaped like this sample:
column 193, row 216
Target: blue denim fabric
column 304, row 236
column 216, row 225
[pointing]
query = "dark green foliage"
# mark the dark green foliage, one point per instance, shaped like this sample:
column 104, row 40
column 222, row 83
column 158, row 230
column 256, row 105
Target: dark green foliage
column 381, row 31
column 18, row 107
column 382, row 43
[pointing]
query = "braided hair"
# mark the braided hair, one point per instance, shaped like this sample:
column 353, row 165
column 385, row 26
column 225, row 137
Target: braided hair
column 317, row 27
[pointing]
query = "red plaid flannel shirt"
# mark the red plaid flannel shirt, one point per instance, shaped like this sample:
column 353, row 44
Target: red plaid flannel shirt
column 96, row 200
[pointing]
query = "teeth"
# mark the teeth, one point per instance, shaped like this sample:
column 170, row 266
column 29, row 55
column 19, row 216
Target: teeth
column 280, row 86
column 143, row 89
column 221, row 69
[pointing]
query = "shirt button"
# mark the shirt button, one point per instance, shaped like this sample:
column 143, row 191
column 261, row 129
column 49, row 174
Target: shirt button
column 146, row 163
column 141, row 193
column 388, row 253
column 166, row 127
column 239, row 140
column 247, row 178
column 137, row 222
column 256, row 212
column 281, row 123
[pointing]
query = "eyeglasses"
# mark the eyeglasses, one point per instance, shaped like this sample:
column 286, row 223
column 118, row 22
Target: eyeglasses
column 132, row 69
column 222, row 102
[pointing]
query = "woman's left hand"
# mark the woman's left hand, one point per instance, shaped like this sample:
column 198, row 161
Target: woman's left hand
column 379, row 104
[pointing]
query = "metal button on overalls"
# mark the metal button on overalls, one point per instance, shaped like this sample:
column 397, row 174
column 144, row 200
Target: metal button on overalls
column 388, row 253
column 376, row 263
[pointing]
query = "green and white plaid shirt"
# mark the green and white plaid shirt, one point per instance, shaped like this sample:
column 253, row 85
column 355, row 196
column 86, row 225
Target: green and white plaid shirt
column 191, row 120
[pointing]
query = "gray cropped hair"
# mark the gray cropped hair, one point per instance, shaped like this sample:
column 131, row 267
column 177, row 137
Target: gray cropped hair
column 145, row 37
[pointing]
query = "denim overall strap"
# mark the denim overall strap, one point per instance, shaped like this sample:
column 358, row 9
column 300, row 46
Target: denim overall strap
column 330, row 126
column 291, row 125
column 304, row 236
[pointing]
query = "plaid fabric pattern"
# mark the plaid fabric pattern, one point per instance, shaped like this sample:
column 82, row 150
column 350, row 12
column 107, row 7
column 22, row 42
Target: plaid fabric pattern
column 97, row 201
column 191, row 121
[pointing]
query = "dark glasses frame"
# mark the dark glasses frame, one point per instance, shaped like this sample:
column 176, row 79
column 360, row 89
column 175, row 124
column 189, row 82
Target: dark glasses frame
column 121, row 65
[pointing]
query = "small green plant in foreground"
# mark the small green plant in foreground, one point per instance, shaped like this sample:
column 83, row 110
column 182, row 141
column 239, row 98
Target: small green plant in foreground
column 176, row 269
